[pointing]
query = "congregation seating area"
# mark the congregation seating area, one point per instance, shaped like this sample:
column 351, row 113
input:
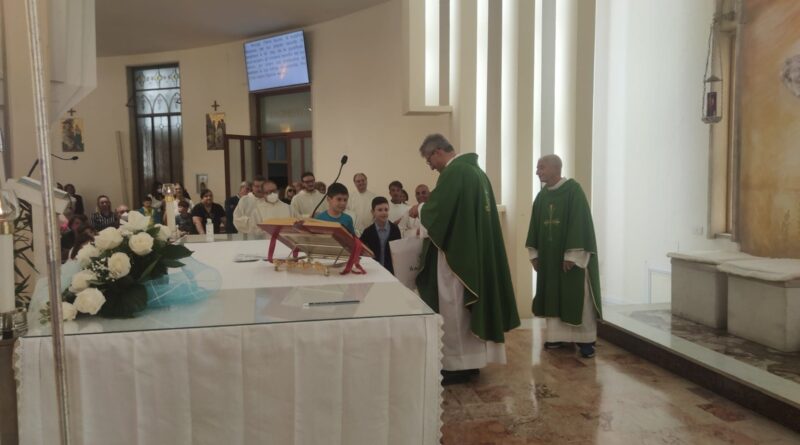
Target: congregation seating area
column 754, row 298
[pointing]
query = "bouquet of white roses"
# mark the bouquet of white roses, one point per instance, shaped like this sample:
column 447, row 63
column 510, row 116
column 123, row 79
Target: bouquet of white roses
column 115, row 266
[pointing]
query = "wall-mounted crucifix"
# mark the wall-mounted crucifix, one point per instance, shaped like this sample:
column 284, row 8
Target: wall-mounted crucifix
column 215, row 105
column 71, row 112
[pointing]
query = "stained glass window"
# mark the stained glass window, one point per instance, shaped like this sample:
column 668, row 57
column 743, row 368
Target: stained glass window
column 156, row 103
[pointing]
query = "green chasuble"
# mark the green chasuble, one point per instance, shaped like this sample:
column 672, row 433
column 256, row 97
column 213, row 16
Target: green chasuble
column 461, row 218
column 562, row 221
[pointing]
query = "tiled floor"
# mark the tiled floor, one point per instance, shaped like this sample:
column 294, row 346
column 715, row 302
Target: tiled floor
column 556, row 397
column 782, row 364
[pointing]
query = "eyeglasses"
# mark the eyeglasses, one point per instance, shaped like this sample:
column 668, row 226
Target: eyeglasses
column 428, row 158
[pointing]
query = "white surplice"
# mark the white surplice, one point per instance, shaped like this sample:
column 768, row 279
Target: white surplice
column 360, row 208
column 252, row 210
column 303, row 203
column 408, row 226
column 396, row 211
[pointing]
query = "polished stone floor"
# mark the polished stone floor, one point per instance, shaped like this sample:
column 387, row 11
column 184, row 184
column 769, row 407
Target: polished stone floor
column 782, row 364
column 556, row 397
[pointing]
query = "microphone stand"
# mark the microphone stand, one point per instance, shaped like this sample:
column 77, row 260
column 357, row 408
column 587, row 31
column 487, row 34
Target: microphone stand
column 344, row 161
column 36, row 162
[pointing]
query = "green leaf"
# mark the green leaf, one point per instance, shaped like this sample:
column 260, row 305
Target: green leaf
column 171, row 263
column 148, row 270
column 175, row 252
column 124, row 303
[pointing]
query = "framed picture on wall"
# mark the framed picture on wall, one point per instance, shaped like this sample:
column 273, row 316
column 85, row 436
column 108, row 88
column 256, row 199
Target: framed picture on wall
column 215, row 131
column 72, row 134
column 202, row 182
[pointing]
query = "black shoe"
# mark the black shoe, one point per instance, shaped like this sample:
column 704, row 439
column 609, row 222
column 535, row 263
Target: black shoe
column 587, row 349
column 457, row 377
column 553, row 344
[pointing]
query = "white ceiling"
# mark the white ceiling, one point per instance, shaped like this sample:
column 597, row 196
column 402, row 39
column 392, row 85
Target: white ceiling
column 145, row 26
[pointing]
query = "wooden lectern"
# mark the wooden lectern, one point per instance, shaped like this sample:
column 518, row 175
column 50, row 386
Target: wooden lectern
column 326, row 245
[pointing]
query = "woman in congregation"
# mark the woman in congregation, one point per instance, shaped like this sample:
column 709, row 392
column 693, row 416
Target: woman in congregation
column 205, row 210
column 180, row 195
column 78, row 224
column 104, row 217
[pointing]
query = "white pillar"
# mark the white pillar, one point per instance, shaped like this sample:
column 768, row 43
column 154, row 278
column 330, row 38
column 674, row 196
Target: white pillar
column 517, row 135
column 584, row 94
column 494, row 97
column 463, row 72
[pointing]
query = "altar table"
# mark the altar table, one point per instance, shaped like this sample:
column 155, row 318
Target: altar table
column 256, row 363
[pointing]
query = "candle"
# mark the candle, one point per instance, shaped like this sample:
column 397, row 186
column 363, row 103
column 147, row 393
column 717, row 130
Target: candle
column 169, row 204
column 168, row 190
column 8, row 213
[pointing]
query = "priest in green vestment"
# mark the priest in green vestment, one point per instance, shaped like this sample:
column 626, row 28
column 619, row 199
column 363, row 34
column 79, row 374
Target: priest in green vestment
column 563, row 252
column 464, row 274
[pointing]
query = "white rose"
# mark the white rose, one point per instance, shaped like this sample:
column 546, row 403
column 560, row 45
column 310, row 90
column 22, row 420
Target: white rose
column 136, row 222
column 81, row 280
column 141, row 244
column 119, row 265
column 86, row 254
column 68, row 311
column 89, row 301
column 163, row 232
column 108, row 239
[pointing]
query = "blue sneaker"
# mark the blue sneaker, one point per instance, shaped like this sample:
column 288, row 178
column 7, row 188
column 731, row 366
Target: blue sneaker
column 587, row 349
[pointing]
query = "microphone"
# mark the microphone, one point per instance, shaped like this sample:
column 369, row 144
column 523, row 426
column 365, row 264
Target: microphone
column 341, row 165
column 73, row 158
column 36, row 162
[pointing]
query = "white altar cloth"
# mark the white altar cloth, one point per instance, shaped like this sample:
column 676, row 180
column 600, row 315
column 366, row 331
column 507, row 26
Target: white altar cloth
column 220, row 255
column 247, row 366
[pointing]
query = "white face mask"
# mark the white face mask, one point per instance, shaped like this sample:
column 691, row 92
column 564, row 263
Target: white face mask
column 272, row 198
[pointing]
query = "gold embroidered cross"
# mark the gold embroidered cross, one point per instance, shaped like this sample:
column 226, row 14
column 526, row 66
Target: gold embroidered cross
column 550, row 222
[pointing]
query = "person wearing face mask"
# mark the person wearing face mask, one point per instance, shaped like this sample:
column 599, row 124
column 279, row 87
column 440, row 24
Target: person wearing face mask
column 260, row 204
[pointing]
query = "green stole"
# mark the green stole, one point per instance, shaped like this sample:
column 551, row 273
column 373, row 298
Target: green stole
column 462, row 221
column 562, row 221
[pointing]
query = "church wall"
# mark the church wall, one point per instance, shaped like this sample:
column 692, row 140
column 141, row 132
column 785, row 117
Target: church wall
column 650, row 161
column 356, row 99
column 770, row 129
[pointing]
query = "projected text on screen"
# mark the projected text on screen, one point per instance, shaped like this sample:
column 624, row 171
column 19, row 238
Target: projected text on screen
column 276, row 62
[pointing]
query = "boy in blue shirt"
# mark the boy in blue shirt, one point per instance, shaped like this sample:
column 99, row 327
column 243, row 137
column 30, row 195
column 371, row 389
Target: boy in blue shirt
column 337, row 203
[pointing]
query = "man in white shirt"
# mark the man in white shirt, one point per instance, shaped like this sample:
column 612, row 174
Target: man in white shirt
column 397, row 208
column 410, row 226
column 360, row 203
column 260, row 204
column 307, row 199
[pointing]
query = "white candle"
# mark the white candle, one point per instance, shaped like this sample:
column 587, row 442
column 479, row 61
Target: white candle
column 7, row 272
column 169, row 209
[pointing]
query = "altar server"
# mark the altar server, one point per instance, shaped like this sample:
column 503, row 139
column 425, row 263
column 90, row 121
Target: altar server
column 260, row 204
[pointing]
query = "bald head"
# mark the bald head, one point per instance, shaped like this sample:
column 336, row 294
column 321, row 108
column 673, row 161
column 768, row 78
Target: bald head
column 553, row 160
column 548, row 169
column 422, row 192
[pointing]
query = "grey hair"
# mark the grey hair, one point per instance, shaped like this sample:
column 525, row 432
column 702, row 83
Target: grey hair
column 434, row 142
column 553, row 160
column 359, row 174
column 244, row 184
